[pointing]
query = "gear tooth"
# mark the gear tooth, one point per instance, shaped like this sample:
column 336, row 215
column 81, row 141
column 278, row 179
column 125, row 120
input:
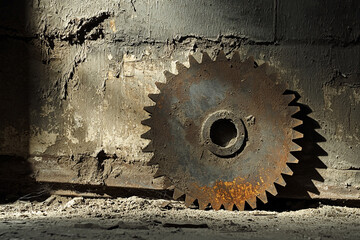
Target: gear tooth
column 292, row 159
column 295, row 147
column 293, row 109
column 153, row 161
column 289, row 98
column 202, row 205
column 216, row 205
column 193, row 61
column 264, row 66
column 147, row 135
column 221, row 56
column 250, row 61
column 287, row 171
column 148, row 148
column 149, row 109
column 147, row 122
column 252, row 202
column 272, row 190
column 153, row 97
column 167, row 184
column 275, row 78
column 297, row 135
column 206, row 58
column 262, row 196
column 159, row 173
column 160, row 85
column 180, row 67
column 236, row 57
column 284, row 85
column 240, row 206
column 228, row 206
column 296, row 122
column 280, row 180
column 178, row 193
column 168, row 75
column 189, row 200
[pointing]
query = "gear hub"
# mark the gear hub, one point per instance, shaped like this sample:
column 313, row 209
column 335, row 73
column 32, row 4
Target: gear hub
column 222, row 132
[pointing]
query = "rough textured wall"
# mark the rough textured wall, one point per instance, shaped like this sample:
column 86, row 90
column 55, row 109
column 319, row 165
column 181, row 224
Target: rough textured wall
column 75, row 77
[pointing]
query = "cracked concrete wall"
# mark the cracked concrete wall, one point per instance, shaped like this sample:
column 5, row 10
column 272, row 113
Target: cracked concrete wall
column 76, row 74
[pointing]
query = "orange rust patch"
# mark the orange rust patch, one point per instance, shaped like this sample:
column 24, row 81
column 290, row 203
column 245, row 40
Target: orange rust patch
column 236, row 191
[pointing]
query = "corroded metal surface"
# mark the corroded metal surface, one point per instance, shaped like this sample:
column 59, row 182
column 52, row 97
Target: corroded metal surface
column 222, row 131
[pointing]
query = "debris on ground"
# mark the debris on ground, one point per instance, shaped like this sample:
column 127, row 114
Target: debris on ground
column 61, row 217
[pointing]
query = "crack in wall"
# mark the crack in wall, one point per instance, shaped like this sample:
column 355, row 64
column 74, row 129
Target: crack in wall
column 79, row 30
column 69, row 75
column 133, row 4
column 76, row 31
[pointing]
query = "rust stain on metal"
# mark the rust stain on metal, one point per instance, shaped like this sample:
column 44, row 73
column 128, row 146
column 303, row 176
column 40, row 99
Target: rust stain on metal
column 227, row 193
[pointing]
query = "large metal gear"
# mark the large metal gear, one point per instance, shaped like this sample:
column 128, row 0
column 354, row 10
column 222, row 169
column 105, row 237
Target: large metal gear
column 222, row 131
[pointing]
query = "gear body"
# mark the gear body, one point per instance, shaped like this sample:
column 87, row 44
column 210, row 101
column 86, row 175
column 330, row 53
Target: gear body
column 222, row 132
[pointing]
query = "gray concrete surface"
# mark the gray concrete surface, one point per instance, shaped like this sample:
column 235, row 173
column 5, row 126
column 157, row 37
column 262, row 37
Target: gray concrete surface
column 138, row 218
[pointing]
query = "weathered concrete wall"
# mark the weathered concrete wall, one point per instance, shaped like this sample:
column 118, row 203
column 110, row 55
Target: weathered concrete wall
column 76, row 75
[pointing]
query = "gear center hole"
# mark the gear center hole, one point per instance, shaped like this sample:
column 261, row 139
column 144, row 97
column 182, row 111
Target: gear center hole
column 223, row 132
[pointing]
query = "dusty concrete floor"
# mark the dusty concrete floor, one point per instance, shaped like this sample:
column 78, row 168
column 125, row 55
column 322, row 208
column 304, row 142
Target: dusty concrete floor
column 138, row 218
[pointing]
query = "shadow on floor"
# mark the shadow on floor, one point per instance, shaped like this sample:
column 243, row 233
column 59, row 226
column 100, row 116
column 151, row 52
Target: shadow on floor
column 15, row 179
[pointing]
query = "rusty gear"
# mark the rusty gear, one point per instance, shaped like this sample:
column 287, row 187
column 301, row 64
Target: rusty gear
column 222, row 131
